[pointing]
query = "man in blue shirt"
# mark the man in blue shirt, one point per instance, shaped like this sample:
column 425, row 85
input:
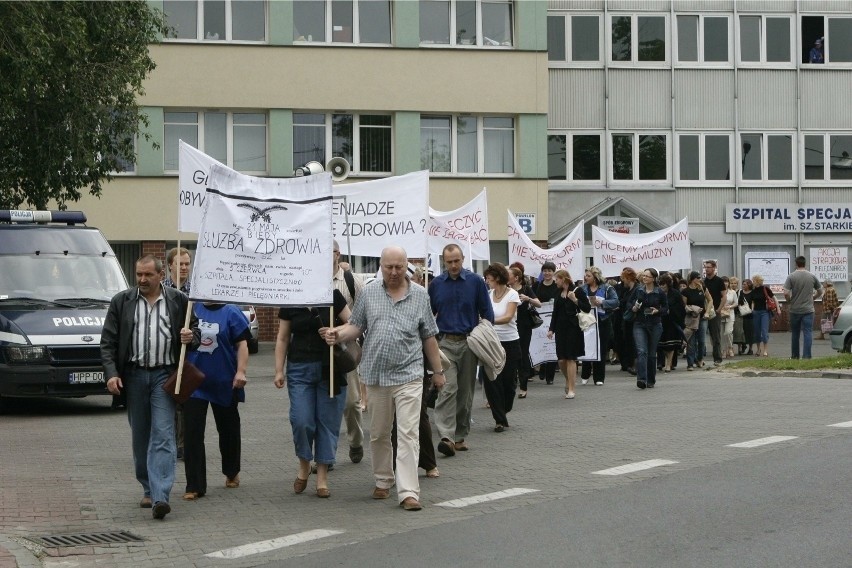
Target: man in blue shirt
column 459, row 299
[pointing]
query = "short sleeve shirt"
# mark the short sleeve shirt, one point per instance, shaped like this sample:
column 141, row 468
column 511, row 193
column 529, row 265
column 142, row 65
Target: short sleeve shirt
column 305, row 341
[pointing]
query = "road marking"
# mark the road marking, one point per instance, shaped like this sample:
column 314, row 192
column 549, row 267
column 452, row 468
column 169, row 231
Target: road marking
column 762, row 441
column 273, row 544
column 841, row 425
column 464, row 502
column 631, row 467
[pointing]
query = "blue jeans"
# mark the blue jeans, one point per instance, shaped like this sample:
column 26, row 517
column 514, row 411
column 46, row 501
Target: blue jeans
column 761, row 326
column 646, row 336
column 804, row 324
column 314, row 415
column 701, row 341
column 151, row 413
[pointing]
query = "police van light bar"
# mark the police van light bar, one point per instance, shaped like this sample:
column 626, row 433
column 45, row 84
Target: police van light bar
column 17, row 216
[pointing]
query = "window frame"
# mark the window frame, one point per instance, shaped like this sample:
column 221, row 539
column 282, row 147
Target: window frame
column 675, row 35
column 199, row 26
column 826, row 45
column 355, row 163
column 356, row 28
column 569, row 157
column 480, row 145
column 229, row 139
column 762, row 62
column 826, row 164
column 480, row 44
column 610, row 167
column 764, row 158
column 567, row 27
column 702, row 180
column 634, row 40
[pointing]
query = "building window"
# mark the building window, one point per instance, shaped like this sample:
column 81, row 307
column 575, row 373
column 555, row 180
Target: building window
column 482, row 23
column 826, row 39
column 704, row 157
column 342, row 21
column 639, row 157
column 362, row 140
column 217, row 20
column 237, row 139
column 467, row 144
column 638, row 39
column 703, row 39
column 828, row 157
column 575, row 157
column 766, row 157
column 573, row 38
column 765, row 39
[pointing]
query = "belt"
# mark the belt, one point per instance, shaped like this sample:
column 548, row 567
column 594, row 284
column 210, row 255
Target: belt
column 455, row 336
column 156, row 368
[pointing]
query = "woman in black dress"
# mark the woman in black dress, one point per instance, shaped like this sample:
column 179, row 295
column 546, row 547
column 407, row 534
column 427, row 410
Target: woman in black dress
column 672, row 338
column 564, row 324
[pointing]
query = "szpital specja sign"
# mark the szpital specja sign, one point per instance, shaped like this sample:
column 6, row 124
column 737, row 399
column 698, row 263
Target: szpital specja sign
column 788, row 217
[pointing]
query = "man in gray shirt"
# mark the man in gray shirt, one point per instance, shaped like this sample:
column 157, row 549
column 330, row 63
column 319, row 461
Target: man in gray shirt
column 801, row 289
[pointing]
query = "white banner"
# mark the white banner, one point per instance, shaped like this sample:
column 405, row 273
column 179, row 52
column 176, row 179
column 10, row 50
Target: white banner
column 193, row 171
column 264, row 241
column 567, row 255
column 467, row 225
column 382, row 212
column 543, row 350
column 830, row 263
column 667, row 249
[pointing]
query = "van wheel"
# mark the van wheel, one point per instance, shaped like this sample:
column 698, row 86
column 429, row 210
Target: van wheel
column 847, row 345
column 253, row 346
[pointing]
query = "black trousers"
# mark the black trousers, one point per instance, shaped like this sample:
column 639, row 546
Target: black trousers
column 500, row 392
column 195, row 458
column 627, row 348
column 525, row 370
column 597, row 369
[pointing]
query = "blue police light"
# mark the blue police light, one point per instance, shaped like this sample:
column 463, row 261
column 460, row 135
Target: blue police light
column 19, row 216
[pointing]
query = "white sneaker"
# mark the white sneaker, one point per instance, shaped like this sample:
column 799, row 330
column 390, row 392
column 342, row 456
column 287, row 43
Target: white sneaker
column 584, row 382
column 599, row 383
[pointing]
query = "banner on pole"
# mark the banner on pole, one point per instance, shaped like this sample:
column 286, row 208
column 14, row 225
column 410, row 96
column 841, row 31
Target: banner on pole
column 543, row 350
column 667, row 249
column 264, row 241
column 382, row 212
column 466, row 226
column 567, row 255
column 193, row 172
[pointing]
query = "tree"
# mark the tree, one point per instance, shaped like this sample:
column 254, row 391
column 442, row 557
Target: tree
column 70, row 75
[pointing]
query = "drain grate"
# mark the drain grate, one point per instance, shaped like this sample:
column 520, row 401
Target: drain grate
column 86, row 539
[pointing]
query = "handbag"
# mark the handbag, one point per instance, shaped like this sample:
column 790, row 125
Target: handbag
column 347, row 356
column 827, row 325
column 709, row 310
column 744, row 308
column 586, row 320
column 190, row 380
column 535, row 318
column 771, row 303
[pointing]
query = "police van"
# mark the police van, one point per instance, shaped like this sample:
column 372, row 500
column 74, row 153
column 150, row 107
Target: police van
column 57, row 277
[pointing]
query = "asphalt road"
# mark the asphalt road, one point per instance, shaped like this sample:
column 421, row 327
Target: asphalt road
column 65, row 467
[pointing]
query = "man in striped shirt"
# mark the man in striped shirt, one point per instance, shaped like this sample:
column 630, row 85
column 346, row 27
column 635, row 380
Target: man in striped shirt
column 140, row 347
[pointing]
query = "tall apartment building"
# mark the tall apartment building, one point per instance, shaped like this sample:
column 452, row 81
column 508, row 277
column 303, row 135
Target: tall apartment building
column 667, row 109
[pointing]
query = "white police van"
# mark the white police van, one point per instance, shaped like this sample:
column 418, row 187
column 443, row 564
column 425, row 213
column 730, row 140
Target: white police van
column 57, row 277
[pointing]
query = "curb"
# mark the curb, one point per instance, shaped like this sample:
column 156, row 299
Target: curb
column 800, row 374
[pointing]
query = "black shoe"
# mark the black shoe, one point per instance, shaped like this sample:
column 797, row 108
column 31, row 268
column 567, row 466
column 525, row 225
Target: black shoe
column 447, row 447
column 160, row 510
column 632, row 371
column 650, row 385
column 641, row 384
column 180, row 453
column 549, row 382
column 356, row 454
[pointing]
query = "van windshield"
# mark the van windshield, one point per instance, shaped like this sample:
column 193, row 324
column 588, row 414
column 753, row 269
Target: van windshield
column 59, row 276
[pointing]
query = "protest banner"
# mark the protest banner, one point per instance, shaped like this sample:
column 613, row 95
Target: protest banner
column 382, row 212
column 467, row 225
column 830, row 263
column 567, row 255
column 664, row 250
column 193, row 171
column 543, row 350
column 264, row 241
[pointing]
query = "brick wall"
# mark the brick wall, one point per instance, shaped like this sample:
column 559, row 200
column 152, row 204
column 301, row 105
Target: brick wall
column 157, row 248
column 267, row 320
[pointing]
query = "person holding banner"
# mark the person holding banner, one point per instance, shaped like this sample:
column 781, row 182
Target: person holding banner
column 459, row 298
column 546, row 290
column 624, row 322
column 518, row 283
column 649, row 306
column 302, row 362
column 565, row 325
column 140, row 347
column 603, row 298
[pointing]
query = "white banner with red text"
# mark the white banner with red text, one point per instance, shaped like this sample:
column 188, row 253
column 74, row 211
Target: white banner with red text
column 667, row 249
column 567, row 255
column 466, row 227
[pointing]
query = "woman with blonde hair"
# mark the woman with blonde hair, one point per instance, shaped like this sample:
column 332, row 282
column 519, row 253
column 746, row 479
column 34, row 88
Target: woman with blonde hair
column 565, row 325
column 727, row 309
column 761, row 315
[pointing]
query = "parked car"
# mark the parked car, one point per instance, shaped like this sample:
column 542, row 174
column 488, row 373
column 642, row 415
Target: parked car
column 251, row 316
column 841, row 335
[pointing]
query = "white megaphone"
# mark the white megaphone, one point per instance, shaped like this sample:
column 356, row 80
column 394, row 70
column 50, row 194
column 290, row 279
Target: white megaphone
column 309, row 169
column 339, row 168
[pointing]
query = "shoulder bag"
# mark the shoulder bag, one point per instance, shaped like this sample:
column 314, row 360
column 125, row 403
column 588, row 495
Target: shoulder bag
column 347, row 356
column 191, row 379
column 743, row 307
column 771, row 303
column 586, row 320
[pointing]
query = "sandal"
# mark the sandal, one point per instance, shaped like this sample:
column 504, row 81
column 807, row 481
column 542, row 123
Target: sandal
column 433, row 473
column 522, row 394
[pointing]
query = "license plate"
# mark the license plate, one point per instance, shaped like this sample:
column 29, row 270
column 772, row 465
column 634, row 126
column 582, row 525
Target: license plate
column 86, row 377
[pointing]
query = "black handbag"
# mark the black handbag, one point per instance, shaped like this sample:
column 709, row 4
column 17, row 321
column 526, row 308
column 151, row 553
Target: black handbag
column 535, row 318
column 347, row 356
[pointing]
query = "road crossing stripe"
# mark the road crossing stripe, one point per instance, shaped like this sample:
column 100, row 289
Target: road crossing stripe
column 631, row 467
column 841, row 425
column 273, row 544
column 464, row 502
column 762, row 441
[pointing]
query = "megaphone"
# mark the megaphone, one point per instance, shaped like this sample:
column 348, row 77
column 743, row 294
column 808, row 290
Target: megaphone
column 309, row 169
column 339, row 168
